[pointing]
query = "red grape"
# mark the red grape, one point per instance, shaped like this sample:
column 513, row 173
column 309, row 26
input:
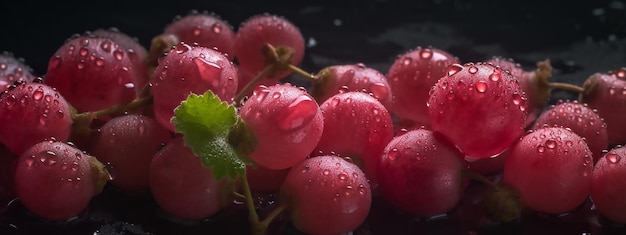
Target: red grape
column 411, row 77
column 608, row 185
column 126, row 145
column 606, row 92
column 32, row 112
column 13, row 69
column 92, row 73
column 581, row 119
column 351, row 77
column 207, row 30
column 326, row 195
column 479, row 107
column 259, row 30
column 550, row 168
column 182, row 186
column 190, row 69
column 287, row 123
column 358, row 126
column 421, row 175
column 56, row 181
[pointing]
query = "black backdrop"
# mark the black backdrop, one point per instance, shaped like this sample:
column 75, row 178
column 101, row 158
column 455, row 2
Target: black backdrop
column 580, row 38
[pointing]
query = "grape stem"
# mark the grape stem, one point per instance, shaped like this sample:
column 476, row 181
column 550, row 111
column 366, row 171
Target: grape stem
column 566, row 86
column 136, row 103
column 302, row 73
column 480, row 178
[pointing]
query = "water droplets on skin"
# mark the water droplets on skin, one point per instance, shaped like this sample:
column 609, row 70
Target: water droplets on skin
column 613, row 158
column 426, row 53
column 379, row 90
column 473, row 70
column 326, row 172
column 495, row 77
column 550, row 143
column 481, row 86
column 118, row 54
column 208, row 70
column 342, row 176
column 300, row 112
column 216, row 28
column 100, row 62
column 38, row 94
column 182, row 48
column 454, row 69
column 407, row 61
column 393, row 154
column 541, row 148
column 83, row 51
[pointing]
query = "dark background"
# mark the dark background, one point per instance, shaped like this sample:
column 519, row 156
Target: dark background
column 580, row 38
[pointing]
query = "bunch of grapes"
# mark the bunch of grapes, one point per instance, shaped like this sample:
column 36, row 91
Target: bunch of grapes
column 204, row 124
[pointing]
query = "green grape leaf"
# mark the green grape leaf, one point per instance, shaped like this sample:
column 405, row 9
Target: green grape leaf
column 205, row 122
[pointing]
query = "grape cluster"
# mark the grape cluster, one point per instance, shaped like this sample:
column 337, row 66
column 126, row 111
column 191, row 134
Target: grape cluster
column 203, row 122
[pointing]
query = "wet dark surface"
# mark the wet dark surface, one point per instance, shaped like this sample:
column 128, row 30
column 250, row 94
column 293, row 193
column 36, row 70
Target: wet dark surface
column 579, row 38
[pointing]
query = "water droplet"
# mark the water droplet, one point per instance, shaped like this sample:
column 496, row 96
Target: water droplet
column 38, row 94
column 379, row 90
column 426, row 53
column 100, row 62
column 473, row 70
column 326, row 172
column 621, row 73
column 613, row 158
column 181, row 48
column 196, row 31
column 217, row 28
column 208, row 70
column 106, row 46
column 453, row 69
column 550, row 143
column 495, row 77
column 393, row 154
column 481, row 86
column 83, row 51
column 343, row 176
column 335, row 101
column 118, row 54
column 407, row 61
column 517, row 99
column 297, row 114
column 541, row 148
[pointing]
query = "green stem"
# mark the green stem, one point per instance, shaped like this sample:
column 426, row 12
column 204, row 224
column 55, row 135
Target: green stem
column 117, row 109
column 566, row 86
column 257, row 227
column 480, row 178
column 252, row 84
column 272, row 215
column 302, row 73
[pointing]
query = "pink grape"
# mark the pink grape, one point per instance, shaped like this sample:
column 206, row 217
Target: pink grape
column 581, row 119
column 92, row 73
column 126, row 145
column 606, row 92
column 351, row 77
column 358, row 126
column 33, row 112
column 182, row 186
column 550, row 168
column 420, row 175
column 609, row 185
column 56, row 181
column 13, row 69
column 479, row 107
column 411, row 76
column 259, row 30
column 189, row 69
column 326, row 195
column 287, row 123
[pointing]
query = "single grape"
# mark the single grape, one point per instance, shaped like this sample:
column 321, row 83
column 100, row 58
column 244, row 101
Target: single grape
column 182, row 186
column 258, row 30
column 606, row 92
column 137, row 53
column 287, row 123
column 420, row 175
column 13, row 69
column 190, row 69
column 479, row 107
column 351, row 77
column 126, row 145
column 411, row 77
column 32, row 112
column 609, row 185
column 56, row 181
column 326, row 195
column 550, row 168
column 358, row 126
column 207, row 30
column 581, row 119
column 92, row 73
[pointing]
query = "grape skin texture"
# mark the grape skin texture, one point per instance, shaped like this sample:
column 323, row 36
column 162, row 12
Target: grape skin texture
column 181, row 185
column 190, row 69
column 205, row 30
column 287, row 123
column 551, row 170
column 608, row 185
column 604, row 92
column 480, row 108
column 127, row 144
column 326, row 195
column 32, row 112
column 54, row 180
column 421, row 175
